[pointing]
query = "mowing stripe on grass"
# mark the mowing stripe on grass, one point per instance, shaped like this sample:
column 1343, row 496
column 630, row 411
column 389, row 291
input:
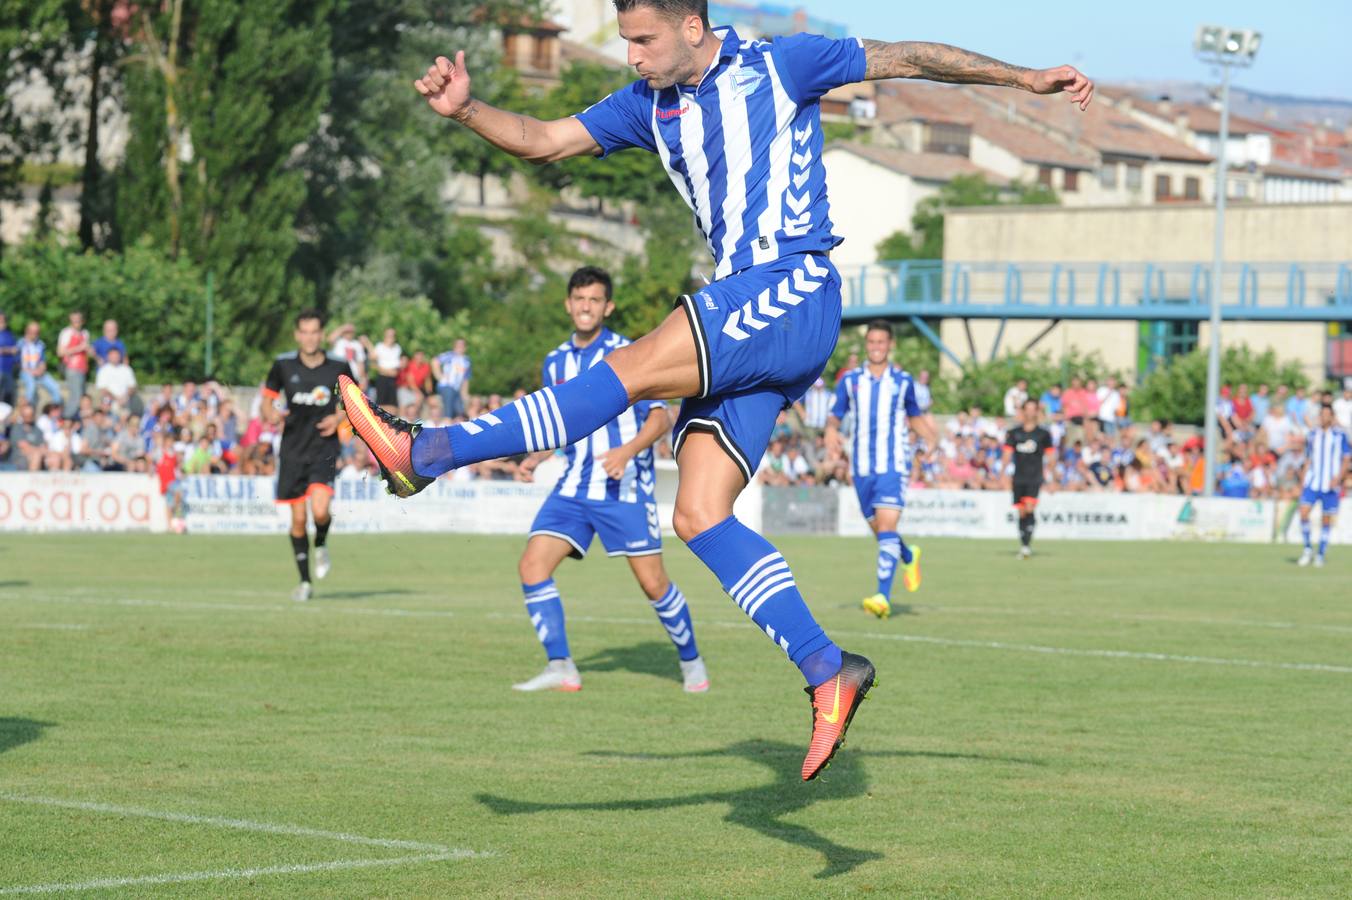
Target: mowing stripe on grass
column 1331, row 668
column 237, row 824
column 183, row 877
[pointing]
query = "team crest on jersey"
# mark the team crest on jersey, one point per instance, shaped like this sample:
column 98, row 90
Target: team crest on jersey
column 746, row 81
column 319, row 396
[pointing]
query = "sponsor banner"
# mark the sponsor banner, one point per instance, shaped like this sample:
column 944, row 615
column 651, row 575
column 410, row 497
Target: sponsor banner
column 1213, row 519
column 931, row 513
column 802, row 510
column 73, row 501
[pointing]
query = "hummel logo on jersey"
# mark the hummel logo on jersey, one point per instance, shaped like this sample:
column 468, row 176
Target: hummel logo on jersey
column 319, row 396
column 665, row 114
column 708, row 302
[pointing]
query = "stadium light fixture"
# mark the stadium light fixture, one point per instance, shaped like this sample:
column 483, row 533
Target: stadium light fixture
column 1226, row 48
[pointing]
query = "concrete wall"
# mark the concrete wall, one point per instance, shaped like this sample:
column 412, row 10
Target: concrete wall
column 1182, row 233
column 868, row 203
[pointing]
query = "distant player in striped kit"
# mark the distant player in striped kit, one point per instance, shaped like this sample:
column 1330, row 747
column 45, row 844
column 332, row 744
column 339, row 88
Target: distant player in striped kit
column 737, row 125
column 606, row 490
column 882, row 397
column 1328, row 455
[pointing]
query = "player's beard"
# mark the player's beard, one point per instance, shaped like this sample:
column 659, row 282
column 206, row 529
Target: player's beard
column 683, row 70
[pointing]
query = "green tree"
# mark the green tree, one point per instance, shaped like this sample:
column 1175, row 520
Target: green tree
column 983, row 384
column 221, row 98
column 1177, row 392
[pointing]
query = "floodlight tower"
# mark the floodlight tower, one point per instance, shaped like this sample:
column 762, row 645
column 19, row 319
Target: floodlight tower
column 1226, row 48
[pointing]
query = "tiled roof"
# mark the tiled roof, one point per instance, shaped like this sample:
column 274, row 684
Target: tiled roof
column 1101, row 127
column 940, row 167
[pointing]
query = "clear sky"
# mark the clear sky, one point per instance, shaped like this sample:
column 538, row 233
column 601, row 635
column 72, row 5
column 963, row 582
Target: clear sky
column 1306, row 50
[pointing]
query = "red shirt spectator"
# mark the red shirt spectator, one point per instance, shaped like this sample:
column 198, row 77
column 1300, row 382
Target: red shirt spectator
column 415, row 373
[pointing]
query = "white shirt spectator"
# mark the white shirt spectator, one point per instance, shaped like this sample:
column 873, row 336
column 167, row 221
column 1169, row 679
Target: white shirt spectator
column 47, row 426
column 5, row 410
column 923, row 398
column 118, row 380
column 1014, row 398
column 816, row 405
column 1110, row 400
column 59, row 441
column 350, row 349
column 388, row 356
column 1278, row 429
column 1342, row 410
column 794, row 467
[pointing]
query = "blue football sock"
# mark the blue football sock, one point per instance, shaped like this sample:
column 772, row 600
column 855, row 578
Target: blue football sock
column 674, row 615
column 546, row 614
column 1324, row 539
column 758, row 579
column 545, row 420
column 889, row 551
column 1305, row 532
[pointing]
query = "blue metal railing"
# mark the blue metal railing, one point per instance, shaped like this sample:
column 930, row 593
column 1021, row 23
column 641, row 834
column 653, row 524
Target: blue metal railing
column 1273, row 291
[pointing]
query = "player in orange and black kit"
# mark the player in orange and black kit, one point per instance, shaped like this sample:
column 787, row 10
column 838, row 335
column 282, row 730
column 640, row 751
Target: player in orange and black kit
column 301, row 389
column 1030, row 445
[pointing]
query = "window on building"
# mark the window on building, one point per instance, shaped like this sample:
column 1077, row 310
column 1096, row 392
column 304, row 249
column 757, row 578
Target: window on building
column 1192, row 188
column 1162, row 187
column 1072, row 181
column 1339, row 351
column 1162, row 340
column 1134, row 177
column 543, row 58
column 1044, row 176
column 1108, row 176
column 511, row 47
column 948, row 137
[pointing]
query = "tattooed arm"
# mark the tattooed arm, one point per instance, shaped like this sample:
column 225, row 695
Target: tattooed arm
column 940, row 62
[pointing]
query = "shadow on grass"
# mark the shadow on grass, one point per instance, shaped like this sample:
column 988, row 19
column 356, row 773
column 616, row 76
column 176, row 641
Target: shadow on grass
column 764, row 807
column 14, row 584
column 647, row 658
column 322, row 594
column 17, row 732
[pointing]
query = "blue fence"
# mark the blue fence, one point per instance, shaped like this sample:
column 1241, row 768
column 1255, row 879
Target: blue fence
column 1264, row 291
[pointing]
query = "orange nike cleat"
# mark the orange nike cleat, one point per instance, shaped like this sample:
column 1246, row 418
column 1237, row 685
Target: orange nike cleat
column 389, row 437
column 833, row 704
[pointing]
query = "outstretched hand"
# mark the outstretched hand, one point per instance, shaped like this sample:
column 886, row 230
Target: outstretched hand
column 1064, row 78
column 446, row 85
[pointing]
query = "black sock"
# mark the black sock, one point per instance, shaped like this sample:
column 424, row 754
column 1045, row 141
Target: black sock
column 301, row 547
column 1026, row 523
column 322, row 531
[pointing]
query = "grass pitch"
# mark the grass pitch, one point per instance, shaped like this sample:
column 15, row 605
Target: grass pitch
column 1105, row 720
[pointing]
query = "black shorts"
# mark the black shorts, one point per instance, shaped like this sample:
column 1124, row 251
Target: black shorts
column 1026, row 489
column 300, row 476
column 387, row 394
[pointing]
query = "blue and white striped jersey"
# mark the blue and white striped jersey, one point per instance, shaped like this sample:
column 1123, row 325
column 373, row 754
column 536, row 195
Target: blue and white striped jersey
column 744, row 146
column 1326, row 449
column 881, row 443
column 585, row 478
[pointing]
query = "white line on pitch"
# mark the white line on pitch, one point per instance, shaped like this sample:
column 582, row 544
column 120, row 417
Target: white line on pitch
column 180, row 878
column 237, row 824
column 1023, row 648
column 304, row 608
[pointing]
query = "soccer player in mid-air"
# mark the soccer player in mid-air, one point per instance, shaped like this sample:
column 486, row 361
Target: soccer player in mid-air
column 299, row 389
column 607, row 490
column 737, row 125
column 1328, row 455
column 882, row 396
column 1032, row 449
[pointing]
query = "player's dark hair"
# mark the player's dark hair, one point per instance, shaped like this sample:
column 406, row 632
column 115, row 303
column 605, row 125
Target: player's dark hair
column 310, row 313
column 671, row 9
column 1032, row 401
column 587, row 276
column 880, row 325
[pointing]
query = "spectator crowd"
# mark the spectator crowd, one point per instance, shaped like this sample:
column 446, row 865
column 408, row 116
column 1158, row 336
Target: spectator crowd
column 107, row 422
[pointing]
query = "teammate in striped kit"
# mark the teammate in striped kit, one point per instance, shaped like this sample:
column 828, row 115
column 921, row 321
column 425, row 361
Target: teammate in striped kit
column 606, row 490
column 1328, row 456
column 738, row 126
column 882, row 396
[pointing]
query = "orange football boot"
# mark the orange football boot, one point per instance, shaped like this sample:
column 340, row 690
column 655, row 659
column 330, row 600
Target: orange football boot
column 833, row 704
column 389, row 437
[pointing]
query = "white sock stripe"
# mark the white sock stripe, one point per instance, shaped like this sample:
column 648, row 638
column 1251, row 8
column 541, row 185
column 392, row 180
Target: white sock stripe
column 547, row 417
column 769, row 572
column 523, row 415
column 754, row 571
column 544, row 599
column 673, row 612
column 779, row 590
column 558, row 417
column 490, row 419
column 471, row 428
column 785, row 577
column 544, row 421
